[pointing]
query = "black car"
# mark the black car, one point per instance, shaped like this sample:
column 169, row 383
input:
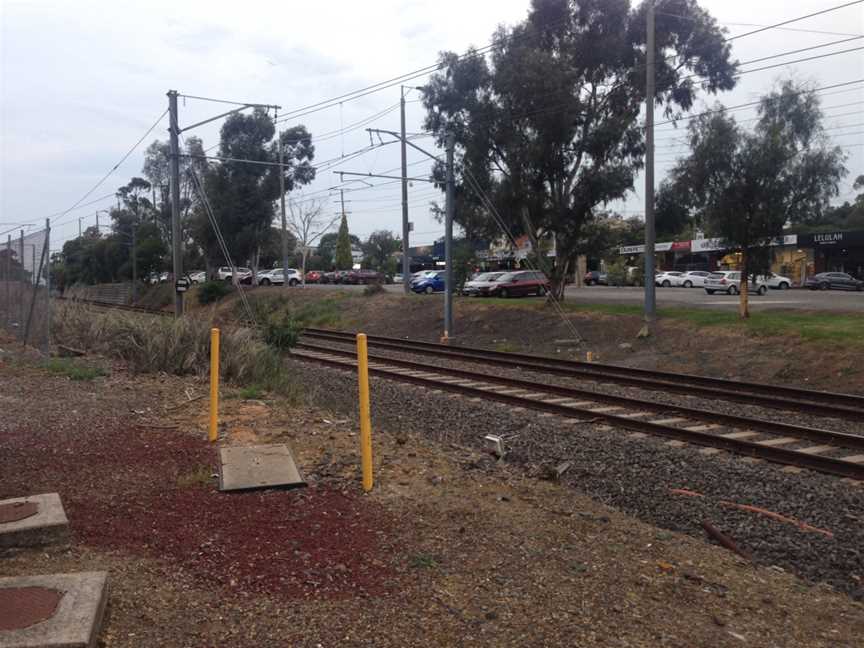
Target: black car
column 833, row 281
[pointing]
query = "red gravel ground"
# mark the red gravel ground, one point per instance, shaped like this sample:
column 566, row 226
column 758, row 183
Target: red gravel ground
column 145, row 492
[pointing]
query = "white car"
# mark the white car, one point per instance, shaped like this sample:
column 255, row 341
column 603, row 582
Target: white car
column 225, row 273
column 277, row 277
column 729, row 281
column 778, row 282
column 669, row 279
column 198, row 277
column 481, row 281
column 695, row 278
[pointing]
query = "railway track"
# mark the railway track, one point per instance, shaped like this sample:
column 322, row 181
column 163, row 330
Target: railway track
column 112, row 305
column 817, row 449
column 835, row 405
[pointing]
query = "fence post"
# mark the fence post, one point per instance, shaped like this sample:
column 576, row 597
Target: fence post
column 20, row 286
column 8, row 281
column 48, row 283
column 214, row 384
column 365, row 417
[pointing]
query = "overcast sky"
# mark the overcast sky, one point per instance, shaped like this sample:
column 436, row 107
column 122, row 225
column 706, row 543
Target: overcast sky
column 82, row 81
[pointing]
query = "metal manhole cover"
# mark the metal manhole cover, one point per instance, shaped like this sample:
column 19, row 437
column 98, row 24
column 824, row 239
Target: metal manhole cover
column 22, row 607
column 17, row 511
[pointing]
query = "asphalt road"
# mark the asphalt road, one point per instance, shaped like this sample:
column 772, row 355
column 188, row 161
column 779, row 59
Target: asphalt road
column 794, row 299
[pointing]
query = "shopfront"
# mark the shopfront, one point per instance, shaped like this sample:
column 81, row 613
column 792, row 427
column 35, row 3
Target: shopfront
column 835, row 251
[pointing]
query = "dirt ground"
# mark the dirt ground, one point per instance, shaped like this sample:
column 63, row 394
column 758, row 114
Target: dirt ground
column 530, row 326
column 452, row 548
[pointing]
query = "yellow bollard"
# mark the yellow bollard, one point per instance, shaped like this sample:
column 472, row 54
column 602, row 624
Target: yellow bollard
column 589, row 357
column 365, row 420
column 214, row 384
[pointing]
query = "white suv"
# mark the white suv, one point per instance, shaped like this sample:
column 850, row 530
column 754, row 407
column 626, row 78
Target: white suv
column 277, row 277
column 225, row 273
column 729, row 281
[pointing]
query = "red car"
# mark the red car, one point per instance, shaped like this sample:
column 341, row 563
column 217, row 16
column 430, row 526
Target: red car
column 363, row 277
column 517, row 284
column 313, row 276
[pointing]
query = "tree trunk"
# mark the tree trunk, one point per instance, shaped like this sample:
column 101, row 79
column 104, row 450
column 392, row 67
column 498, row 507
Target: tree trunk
column 744, row 302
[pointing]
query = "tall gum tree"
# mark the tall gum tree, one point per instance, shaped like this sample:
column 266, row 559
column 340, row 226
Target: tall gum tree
column 550, row 126
column 747, row 186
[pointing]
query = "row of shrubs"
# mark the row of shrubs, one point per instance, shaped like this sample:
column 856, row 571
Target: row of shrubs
column 178, row 346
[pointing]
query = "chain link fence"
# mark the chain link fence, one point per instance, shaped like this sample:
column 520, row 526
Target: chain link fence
column 25, row 305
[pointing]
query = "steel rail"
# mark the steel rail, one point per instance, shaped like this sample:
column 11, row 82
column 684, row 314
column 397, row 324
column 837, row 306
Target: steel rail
column 126, row 307
column 774, row 454
column 841, row 405
column 839, row 439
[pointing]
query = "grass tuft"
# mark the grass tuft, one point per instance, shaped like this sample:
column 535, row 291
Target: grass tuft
column 73, row 370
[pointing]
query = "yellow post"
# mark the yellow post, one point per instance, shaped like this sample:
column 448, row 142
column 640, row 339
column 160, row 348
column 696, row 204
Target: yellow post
column 365, row 420
column 589, row 357
column 214, row 383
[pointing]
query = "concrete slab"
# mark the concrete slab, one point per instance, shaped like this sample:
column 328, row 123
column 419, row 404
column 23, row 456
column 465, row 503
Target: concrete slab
column 77, row 620
column 260, row 466
column 48, row 525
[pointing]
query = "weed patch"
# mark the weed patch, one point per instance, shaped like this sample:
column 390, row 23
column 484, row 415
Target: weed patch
column 73, row 370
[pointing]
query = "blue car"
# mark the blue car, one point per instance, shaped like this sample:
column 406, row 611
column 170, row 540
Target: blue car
column 430, row 283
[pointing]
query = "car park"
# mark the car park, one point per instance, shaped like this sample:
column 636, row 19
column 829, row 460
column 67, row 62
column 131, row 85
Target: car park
column 695, row 278
column 729, row 281
column 833, row 281
column 669, row 279
column 480, row 283
column 518, row 284
column 596, row 278
column 429, row 283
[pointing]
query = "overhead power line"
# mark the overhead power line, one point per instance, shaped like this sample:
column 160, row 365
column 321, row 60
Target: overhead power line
column 794, row 20
column 112, row 170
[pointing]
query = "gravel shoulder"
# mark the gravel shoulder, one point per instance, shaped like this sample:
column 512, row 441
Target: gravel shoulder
column 461, row 550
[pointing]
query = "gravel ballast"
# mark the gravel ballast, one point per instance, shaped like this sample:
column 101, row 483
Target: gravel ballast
column 637, row 475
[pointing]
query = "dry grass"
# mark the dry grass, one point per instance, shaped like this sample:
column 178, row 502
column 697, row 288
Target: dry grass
column 151, row 343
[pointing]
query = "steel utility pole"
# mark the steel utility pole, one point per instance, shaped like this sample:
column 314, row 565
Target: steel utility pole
column 448, row 241
column 97, row 221
column 650, row 237
column 406, row 265
column 79, row 226
column 176, row 244
column 285, row 284
column 21, row 287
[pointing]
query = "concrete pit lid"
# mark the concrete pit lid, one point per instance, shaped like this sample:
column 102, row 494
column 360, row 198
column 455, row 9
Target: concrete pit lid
column 32, row 521
column 258, row 466
column 52, row 610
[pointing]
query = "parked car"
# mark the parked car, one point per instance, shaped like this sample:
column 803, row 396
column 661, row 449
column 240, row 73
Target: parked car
column 833, row 281
column 398, row 278
column 695, row 278
column 777, row 282
column 429, row 283
column 363, row 277
column 313, row 276
column 596, row 278
column 422, row 274
column 516, row 284
column 668, row 279
column 197, row 276
column 729, row 281
column 481, row 283
column 226, row 274
column 328, row 277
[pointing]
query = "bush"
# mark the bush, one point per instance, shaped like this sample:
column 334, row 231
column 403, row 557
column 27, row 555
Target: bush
column 281, row 331
column 153, row 343
column 213, row 291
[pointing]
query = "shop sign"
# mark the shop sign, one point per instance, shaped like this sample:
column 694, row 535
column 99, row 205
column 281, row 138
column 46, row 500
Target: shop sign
column 639, row 249
column 832, row 238
column 707, row 245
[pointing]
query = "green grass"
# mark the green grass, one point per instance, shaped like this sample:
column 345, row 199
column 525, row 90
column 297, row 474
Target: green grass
column 252, row 392
column 422, row 561
column 73, row 370
column 813, row 327
column 201, row 476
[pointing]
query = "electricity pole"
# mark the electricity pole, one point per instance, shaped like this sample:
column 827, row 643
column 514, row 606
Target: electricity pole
column 79, row 226
column 448, row 241
column 177, row 249
column 286, row 284
column 650, row 236
column 134, row 262
column 97, row 221
column 406, row 266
